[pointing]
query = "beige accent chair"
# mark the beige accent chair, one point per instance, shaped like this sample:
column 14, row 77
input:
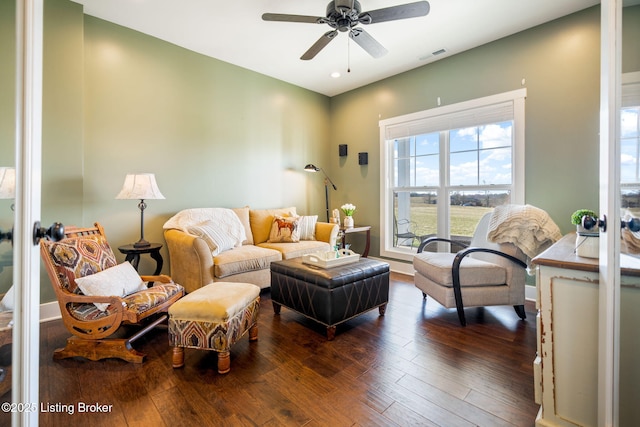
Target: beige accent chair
column 482, row 274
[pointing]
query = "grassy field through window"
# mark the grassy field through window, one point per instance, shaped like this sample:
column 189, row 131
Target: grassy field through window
column 464, row 219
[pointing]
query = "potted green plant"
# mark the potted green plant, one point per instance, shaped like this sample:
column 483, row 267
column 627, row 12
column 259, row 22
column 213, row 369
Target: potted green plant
column 587, row 241
column 576, row 217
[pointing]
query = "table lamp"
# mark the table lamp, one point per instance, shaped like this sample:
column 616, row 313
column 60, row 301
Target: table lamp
column 140, row 186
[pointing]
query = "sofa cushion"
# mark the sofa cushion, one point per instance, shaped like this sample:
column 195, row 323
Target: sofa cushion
column 261, row 220
column 243, row 259
column 284, row 230
column 243, row 215
column 473, row 272
column 307, row 227
column 295, row 250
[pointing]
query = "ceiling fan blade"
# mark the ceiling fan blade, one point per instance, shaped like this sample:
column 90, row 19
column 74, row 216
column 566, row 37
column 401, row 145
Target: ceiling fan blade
column 292, row 18
column 393, row 13
column 319, row 45
column 367, row 42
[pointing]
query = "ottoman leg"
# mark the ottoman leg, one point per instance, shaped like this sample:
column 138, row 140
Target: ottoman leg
column 382, row 309
column 331, row 333
column 253, row 333
column 178, row 357
column 224, row 362
column 276, row 308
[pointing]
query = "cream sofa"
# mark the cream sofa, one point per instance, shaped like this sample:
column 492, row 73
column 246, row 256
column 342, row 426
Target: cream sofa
column 194, row 264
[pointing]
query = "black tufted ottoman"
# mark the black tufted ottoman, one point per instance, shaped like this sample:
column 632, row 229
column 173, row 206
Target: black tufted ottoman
column 333, row 295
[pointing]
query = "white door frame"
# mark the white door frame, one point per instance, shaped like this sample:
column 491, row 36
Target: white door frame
column 609, row 298
column 26, row 270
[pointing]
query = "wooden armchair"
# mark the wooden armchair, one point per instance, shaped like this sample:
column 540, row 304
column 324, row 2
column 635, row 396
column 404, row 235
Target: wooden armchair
column 83, row 252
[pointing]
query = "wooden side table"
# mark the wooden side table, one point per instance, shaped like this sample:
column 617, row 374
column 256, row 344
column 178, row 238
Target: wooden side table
column 133, row 255
column 358, row 229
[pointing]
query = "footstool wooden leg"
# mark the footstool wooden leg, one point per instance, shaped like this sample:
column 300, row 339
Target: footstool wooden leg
column 331, row 332
column 178, row 357
column 276, row 308
column 253, row 333
column 224, row 362
column 382, row 309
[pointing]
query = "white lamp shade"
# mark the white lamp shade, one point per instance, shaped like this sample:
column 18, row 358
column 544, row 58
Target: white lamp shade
column 140, row 186
column 7, row 183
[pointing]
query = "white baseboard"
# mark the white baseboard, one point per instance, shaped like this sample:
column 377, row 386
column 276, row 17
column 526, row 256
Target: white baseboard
column 49, row 311
column 407, row 268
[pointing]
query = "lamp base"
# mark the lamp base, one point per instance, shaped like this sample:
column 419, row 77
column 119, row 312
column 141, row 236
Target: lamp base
column 141, row 244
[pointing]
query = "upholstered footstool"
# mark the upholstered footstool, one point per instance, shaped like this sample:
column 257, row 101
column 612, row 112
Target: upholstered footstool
column 214, row 317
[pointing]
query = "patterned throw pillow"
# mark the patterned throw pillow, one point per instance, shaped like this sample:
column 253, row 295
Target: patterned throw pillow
column 307, row 226
column 284, row 230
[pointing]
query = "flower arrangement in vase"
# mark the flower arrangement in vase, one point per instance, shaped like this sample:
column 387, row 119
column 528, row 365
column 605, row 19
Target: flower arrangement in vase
column 348, row 209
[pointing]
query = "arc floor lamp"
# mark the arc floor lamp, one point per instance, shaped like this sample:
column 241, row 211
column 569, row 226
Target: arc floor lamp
column 327, row 181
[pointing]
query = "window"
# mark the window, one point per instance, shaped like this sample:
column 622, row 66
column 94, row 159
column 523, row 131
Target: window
column 630, row 143
column 442, row 169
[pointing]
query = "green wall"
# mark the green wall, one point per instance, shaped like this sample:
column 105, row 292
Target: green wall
column 117, row 101
column 213, row 133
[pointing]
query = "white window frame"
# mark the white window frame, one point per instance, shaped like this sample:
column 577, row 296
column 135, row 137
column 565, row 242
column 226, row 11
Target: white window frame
column 440, row 116
column 630, row 97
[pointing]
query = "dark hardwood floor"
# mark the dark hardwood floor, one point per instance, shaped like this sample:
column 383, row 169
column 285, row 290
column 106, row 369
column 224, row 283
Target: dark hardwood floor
column 414, row 366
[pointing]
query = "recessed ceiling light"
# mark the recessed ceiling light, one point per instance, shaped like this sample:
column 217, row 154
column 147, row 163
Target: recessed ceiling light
column 335, row 74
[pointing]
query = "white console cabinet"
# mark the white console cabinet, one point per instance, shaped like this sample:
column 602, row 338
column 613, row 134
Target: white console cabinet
column 566, row 364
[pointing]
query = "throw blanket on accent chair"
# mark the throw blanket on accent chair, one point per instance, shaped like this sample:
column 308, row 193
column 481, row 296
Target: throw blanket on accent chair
column 530, row 228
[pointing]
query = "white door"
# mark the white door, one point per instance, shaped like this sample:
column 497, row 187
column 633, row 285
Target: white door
column 619, row 342
column 26, row 276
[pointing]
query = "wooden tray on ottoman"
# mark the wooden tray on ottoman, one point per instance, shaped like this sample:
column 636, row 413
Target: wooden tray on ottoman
column 333, row 295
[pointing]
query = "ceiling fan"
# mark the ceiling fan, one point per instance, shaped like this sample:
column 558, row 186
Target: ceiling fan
column 345, row 15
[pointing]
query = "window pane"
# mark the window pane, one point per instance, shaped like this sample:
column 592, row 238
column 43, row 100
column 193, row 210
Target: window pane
column 463, row 168
column 630, row 118
column 467, row 207
column 415, row 216
column 428, row 171
column 630, row 145
column 495, row 166
column 496, row 135
column 427, row 144
column 463, row 139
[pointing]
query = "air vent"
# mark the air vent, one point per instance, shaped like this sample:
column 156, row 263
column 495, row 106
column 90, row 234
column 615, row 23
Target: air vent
column 432, row 54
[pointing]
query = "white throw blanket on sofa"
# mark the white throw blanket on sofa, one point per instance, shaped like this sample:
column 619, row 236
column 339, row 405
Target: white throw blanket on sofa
column 529, row 228
column 220, row 228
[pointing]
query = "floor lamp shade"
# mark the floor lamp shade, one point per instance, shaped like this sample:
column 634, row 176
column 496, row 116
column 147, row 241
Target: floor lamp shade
column 7, row 183
column 141, row 186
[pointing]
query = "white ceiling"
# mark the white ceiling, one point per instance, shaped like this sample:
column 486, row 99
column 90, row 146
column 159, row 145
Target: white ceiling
column 233, row 31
